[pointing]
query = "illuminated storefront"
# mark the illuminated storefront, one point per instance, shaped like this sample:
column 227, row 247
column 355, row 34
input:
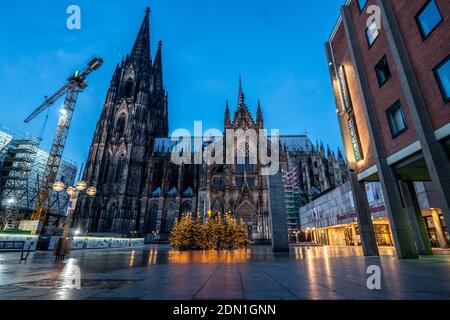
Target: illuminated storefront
column 331, row 220
column 348, row 234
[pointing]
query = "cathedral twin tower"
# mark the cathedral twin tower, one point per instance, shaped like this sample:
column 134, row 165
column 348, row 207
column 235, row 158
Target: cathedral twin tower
column 134, row 113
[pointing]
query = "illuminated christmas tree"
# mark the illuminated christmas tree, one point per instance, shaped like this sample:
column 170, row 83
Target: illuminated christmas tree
column 215, row 233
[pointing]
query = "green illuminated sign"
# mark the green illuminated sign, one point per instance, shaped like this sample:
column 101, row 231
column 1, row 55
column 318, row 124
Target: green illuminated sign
column 356, row 144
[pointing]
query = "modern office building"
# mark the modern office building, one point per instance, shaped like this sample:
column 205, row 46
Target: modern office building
column 389, row 62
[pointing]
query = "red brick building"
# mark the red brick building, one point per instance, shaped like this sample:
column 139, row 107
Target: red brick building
column 389, row 62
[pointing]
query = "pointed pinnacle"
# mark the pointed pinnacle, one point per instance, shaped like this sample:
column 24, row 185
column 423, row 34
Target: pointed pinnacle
column 240, row 92
column 141, row 47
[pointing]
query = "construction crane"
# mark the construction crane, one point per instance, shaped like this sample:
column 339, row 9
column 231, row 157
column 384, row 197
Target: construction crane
column 75, row 84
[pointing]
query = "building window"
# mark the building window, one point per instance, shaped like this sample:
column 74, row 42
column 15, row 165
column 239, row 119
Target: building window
column 396, row 119
column 361, row 4
column 120, row 126
column 442, row 72
column 218, row 182
column 372, row 32
column 383, row 72
column 128, row 88
column 119, row 169
column 428, row 18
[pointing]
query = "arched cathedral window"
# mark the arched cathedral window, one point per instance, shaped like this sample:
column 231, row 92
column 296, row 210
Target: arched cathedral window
column 217, row 182
column 120, row 126
column 150, row 220
column 170, row 217
column 128, row 88
column 106, row 170
column 119, row 169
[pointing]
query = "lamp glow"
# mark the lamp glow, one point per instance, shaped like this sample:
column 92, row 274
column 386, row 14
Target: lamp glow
column 63, row 111
column 71, row 191
column 58, row 186
column 91, row 191
column 81, row 186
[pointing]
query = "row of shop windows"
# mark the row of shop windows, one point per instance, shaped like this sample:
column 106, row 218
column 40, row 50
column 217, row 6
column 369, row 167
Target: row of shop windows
column 349, row 235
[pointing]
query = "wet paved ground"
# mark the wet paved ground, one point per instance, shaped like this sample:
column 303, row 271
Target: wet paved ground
column 154, row 272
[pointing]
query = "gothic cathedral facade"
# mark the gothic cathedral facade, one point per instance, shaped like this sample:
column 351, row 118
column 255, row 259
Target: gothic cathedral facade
column 141, row 191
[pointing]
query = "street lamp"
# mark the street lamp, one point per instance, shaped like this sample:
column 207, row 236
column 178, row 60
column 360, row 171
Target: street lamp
column 73, row 191
column 91, row 191
column 307, row 234
column 81, row 186
column 58, row 186
column 9, row 212
column 296, row 232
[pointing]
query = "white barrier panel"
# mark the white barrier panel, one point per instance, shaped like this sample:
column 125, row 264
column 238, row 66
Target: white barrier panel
column 13, row 242
column 80, row 243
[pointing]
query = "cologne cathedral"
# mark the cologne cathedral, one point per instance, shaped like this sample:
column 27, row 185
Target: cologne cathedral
column 140, row 190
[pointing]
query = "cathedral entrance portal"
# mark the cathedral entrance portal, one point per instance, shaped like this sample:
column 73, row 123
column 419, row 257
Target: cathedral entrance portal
column 247, row 213
column 250, row 231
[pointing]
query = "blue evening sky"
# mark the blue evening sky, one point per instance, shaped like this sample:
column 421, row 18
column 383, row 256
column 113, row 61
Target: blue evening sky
column 277, row 46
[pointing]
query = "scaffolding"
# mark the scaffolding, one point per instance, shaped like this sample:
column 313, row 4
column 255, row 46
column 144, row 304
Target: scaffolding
column 292, row 196
column 22, row 167
column 15, row 171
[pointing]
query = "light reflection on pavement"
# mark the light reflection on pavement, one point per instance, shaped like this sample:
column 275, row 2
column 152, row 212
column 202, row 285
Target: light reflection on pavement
column 155, row 272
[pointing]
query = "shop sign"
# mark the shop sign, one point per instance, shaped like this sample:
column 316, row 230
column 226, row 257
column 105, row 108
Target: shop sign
column 356, row 144
column 345, row 93
column 377, row 209
column 346, row 216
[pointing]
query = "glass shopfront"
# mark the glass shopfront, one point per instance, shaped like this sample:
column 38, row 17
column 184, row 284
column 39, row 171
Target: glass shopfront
column 444, row 227
column 433, row 232
column 350, row 238
column 383, row 234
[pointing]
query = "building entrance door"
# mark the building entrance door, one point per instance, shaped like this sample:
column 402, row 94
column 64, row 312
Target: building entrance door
column 432, row 232
column 349, row 239
column 247, row 213
column 250, row 232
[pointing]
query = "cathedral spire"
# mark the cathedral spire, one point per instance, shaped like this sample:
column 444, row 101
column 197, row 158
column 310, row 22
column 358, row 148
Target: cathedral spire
column 227, row 115
column 259, row 116
column 242, row 115
column 157, row 68
column 141, row 48
column 241, row 98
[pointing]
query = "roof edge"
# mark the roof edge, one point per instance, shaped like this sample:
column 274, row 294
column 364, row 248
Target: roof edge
column 338, row 22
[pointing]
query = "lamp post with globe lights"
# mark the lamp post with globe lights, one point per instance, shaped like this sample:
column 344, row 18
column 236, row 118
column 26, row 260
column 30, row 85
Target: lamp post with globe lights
column 9, row 212
column 297, row 233
column 73, row 191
